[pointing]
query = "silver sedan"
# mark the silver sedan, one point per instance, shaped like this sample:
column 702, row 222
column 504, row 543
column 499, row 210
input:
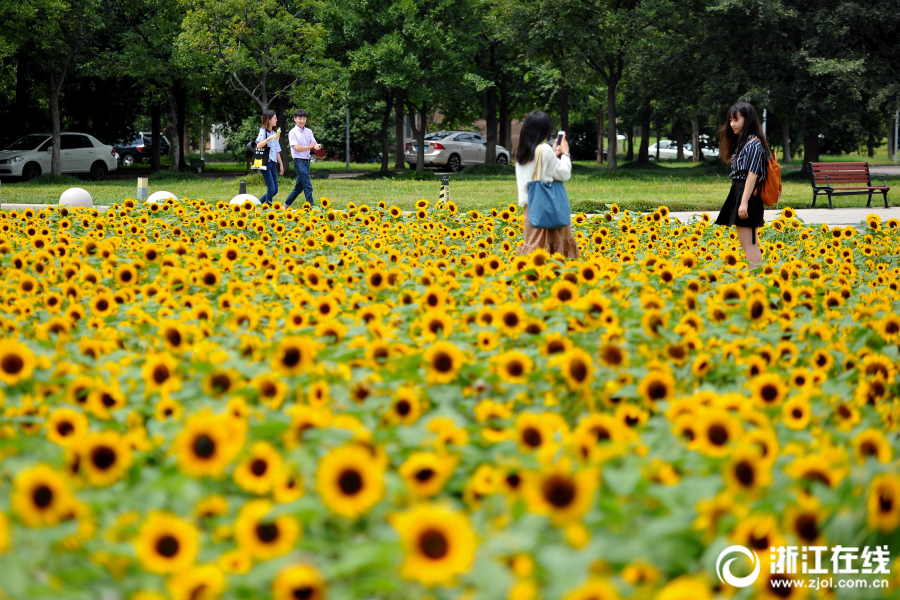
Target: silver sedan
column 453, row 150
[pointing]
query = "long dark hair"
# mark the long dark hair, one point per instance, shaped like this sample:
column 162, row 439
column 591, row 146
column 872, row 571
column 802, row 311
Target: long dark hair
column 535, row 131
column 731, row 143
column 267, row 116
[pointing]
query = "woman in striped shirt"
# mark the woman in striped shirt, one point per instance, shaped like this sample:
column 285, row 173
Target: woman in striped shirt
column 743, row 145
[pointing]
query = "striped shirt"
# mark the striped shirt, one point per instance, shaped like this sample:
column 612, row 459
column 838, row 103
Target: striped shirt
column 274, row 146
column 752, row 158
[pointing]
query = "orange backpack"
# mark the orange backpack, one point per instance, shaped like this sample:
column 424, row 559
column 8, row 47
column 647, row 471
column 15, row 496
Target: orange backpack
column 770, row 188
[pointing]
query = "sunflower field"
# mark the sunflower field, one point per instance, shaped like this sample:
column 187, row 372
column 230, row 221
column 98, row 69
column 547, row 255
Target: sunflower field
column 204, row 401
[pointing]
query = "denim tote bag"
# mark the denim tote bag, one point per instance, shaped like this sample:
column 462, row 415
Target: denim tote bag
column 548, row 203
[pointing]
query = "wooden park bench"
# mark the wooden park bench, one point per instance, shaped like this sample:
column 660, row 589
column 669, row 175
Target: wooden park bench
column 853, row 179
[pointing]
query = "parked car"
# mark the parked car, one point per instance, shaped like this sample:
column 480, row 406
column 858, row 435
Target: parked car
column 453, row 150
column 29, row 156
column 668, row 150
column 139, row 149
column 708, row 151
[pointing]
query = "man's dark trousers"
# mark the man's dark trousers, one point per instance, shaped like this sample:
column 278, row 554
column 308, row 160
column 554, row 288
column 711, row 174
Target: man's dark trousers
column 301, row 166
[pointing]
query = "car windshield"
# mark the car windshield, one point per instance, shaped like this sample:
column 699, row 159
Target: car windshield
column 29, row 142
column 437, row 135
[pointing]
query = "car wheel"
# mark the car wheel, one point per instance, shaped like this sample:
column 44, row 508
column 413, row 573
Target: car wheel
column 503, row 160
column 127, row 159
column 98, row 171
column 30, row 171
column 454, row 163
column 652, row 158
column 411, row 165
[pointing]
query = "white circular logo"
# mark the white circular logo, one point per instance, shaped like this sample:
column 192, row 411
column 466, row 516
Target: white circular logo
column 724, row 573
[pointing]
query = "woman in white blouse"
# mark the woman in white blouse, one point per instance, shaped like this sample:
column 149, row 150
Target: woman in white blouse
column 555, row 165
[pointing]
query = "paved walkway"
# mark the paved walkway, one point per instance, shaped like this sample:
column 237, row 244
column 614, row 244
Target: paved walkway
column 838, row 216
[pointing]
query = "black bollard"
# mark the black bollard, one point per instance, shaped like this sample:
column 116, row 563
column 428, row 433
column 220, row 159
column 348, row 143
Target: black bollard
column 243, row 188
column 445, row 190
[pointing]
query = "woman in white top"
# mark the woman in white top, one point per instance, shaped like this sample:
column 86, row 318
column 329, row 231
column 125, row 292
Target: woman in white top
column 268, row 136
column 555, row 165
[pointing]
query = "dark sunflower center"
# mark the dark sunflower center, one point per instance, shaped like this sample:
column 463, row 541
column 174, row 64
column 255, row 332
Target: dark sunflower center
column 174, row 337
column 350, row 482
column 434, row 544
column 12, row 364
column 42, row 496
column 717, row 435
column 259, row 467
column 267, row 532
column 303, row 593
column 532, row 437
column 657, row 390
column 160, row 374
column 443, row 363
column 559, row 491
column 404, row 408
column 204, row 446
column 291, row 357
column 513, row 480
column 103, row 457
column 578, row 370
column 555, row 347
column 745, row 473
column 885, row 504
column 769, row 393
column 167, row 546
column 807, row 527
column 425, row 474
column 64, row 428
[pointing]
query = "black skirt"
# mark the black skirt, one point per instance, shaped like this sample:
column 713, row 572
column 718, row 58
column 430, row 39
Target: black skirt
column 729, row 213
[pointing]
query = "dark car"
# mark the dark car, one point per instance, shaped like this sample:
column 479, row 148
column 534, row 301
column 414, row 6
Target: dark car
column 139, row 149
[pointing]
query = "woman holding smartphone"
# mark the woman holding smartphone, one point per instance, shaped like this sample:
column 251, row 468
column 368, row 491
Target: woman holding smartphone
column 743, row 145
column 555, row 165
column 268, row 137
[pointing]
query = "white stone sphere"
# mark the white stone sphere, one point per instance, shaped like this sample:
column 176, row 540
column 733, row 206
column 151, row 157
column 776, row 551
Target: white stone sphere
column 160, row 197
column 76, row 197
column 241, row 198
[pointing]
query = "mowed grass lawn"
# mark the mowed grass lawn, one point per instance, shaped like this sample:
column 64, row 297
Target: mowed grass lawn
column 680, row 186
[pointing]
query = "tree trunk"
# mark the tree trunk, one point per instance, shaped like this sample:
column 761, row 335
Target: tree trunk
column 658, row 137
column 418, row 130
column 870, row 144
column 385, row 138
column 600, row 136
column 181, row 116
column 185, row 140
column 644, row 151
column 175, row 142
column 399, row 147
column 55, row 87
column 611, row 85
column 810, row 149
column 155, row 132
column 504, row 121
column 695, row 141
column 564, row 108
column 679, row 138
column 890, row 138
column 490, row 118
column 786, row 140
column 629, row 152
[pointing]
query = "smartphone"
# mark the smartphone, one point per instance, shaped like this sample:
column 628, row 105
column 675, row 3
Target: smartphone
column 559, row 137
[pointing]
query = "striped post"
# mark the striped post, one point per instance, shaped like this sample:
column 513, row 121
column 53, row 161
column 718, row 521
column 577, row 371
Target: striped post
column 445, row 191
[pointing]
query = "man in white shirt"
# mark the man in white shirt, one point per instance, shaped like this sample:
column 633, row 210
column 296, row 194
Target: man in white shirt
column 301, row 140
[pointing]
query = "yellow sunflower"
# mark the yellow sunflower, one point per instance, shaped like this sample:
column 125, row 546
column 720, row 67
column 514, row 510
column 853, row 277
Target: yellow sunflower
column 438, row 544
column 65, row 425
column 294, row 355
column 350, row 481
column 41, row 497
column 203, row 582
column 425, row 473
column 166, row 543
column 561, row 494
column 262, row 536
column 883, row 506
column 258, row 472
column 208, row 443
column 104, row 457
column 17, row 362
column 299, row 581
column 444, row 360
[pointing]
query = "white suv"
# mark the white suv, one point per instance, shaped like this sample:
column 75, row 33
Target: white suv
column 29, row 156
